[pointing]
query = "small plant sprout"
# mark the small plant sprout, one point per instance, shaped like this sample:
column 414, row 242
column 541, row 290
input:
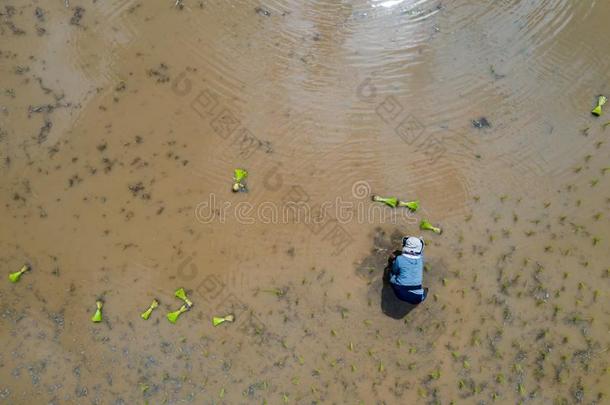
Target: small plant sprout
column 424, row 225
column 173, row 316
column 180, row 293
column 16, row 276
column 391, row 201
column 146, row 314
column 97, row 316
column 217, row 320
column 278, row 292
column 239, row 177
column 411, row 205
column 601, row 100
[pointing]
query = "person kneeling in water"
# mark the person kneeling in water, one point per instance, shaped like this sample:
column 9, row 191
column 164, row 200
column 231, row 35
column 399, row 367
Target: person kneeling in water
column 406, row 271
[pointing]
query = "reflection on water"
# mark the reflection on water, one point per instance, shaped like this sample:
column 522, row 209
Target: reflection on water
column 119, row 119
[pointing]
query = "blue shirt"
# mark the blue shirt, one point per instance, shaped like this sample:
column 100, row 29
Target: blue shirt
column 408, row 270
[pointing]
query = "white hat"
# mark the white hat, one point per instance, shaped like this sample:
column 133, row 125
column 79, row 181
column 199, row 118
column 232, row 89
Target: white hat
column 412, row 245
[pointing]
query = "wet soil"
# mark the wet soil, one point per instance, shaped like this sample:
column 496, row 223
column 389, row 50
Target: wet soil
column 121, row 123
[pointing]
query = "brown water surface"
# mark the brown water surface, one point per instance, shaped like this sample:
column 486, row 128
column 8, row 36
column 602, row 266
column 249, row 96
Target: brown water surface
column 121, row 122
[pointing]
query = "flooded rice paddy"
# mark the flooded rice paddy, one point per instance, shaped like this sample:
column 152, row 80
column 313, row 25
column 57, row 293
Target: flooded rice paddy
column 121, row 122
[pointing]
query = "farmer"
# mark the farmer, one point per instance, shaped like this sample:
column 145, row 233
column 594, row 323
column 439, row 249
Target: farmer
column 406, row 271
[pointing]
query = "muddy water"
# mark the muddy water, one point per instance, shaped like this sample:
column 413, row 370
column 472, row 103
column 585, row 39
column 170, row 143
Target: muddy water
column 122, row 122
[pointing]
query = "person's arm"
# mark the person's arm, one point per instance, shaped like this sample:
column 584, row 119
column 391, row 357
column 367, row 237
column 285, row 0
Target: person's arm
column 394, row 269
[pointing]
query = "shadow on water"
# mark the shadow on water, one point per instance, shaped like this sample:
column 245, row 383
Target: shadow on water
column 375, row 269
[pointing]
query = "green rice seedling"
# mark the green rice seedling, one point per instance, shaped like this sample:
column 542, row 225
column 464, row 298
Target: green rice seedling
column 601, row 100
column 16, row 276
column 381, row 368
column 411, row 205
column 97, row 316
column 172, row 317
column 435, row 375
column 146, row 314
column 180, row 293
column 389, row 201
column 594, row 182
column 425, row 225
column 596, row 240
column 278, row 292
column 350, row 346
column 217, row 320
column 239, row 177
column 475, row 340
column 604, row 170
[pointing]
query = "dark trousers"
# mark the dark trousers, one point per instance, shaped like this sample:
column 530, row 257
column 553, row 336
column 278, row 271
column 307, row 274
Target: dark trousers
column 404, row 294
